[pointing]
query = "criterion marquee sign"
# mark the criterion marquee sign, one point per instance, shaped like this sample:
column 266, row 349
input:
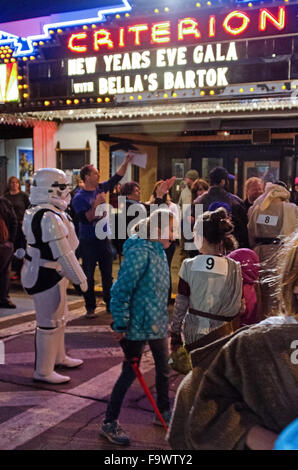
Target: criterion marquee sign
column 195, row 62
column 211, row 51
column 236, row 24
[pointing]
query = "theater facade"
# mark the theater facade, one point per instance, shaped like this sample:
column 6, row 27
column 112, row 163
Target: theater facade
column 191, row 86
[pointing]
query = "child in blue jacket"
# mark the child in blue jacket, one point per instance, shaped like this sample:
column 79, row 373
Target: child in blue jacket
column 139, row 300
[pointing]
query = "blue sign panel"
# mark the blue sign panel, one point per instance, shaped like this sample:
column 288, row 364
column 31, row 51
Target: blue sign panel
column 20, row 10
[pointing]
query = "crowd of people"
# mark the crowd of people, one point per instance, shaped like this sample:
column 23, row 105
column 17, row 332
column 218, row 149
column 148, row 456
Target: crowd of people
column 236, row 299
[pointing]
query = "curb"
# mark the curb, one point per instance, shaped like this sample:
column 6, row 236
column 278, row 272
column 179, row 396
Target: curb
column 12, row 320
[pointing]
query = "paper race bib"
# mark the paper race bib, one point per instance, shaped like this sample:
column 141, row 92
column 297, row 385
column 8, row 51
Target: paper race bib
column 210, row 264
column 267, row 219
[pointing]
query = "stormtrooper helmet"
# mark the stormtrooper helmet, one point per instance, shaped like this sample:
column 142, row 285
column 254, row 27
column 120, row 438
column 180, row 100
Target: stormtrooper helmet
column 50, row 186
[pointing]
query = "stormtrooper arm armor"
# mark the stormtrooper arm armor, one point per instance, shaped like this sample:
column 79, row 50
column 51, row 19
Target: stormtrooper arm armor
column 55, row 232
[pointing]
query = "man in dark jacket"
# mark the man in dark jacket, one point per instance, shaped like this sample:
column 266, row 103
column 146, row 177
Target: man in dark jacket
column 8, row 216
column 218, row 191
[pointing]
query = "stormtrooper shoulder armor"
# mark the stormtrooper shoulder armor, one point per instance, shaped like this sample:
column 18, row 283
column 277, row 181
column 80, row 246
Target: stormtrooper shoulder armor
column 52, row 227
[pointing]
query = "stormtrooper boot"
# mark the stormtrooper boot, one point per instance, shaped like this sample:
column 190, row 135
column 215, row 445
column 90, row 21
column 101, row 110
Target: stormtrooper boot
column 47, row 343
column 62, row 360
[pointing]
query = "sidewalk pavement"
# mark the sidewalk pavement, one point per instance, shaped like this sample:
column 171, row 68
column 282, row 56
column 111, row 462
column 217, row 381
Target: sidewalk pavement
column 67, row 416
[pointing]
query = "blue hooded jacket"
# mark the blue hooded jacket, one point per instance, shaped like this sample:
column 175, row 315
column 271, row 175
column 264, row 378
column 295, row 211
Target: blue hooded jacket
column 139, row 297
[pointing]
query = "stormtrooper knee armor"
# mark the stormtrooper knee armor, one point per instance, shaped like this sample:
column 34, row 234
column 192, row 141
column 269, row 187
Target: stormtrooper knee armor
column 49, row 263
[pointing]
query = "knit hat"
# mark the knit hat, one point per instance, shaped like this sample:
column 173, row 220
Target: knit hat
column 216, row 205
column 296, row 180
column 192, row 175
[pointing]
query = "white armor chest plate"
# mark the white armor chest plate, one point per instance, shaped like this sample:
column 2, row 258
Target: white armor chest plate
column 28, row 217
column 71, row 237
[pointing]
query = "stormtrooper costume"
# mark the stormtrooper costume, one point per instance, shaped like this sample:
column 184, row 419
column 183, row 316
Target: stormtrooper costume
column 49, row 263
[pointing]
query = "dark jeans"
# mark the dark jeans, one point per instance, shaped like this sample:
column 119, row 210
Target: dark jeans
column 170, row 254
column 131, row 349
column 93, row 252
column 6, row 252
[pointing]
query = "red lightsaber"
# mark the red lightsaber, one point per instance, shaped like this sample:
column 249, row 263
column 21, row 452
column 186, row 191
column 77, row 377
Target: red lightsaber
column 134, row 365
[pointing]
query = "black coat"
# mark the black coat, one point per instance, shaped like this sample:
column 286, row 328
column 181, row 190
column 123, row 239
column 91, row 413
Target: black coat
column 239, row 216
column 8, row 215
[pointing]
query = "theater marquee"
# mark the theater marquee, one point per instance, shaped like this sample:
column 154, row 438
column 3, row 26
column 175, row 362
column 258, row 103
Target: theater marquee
column 193, row 56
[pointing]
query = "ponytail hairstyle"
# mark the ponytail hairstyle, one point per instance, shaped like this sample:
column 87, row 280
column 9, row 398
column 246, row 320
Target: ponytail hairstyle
column 216, row 228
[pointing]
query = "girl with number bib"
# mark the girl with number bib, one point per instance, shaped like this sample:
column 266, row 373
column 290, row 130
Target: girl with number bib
column 210, row 286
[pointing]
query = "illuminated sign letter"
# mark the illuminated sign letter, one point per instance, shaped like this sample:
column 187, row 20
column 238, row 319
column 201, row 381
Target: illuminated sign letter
column 102, row 38
column 277, row 23
column 188, row 26
column 121, row 37
column 137, row 29
column 75, row 48
column 239, row 29
column 161, row 32
column 211, row 26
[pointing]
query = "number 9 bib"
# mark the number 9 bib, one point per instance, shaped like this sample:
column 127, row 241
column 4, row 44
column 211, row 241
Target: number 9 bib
column 211, row 264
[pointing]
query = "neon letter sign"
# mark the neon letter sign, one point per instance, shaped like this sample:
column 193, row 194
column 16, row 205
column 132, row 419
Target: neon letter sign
column 277, row 23
column 104, row 40
column 161, row 32
column 188, row 26
column 137, row 29
column 212, row 26
column 75, row 48
column 240, row 29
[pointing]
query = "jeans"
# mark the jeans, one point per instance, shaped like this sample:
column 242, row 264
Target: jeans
column 93, row 252
column 159, row 349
